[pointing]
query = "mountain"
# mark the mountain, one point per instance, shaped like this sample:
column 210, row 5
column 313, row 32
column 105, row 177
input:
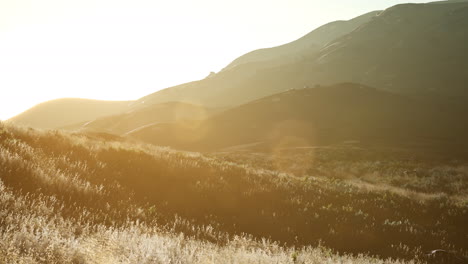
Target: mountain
column 449, row 1
column 309, row 43
column 238, row 82
column 339, row 114
column 62, row 112
column 123, row 123
column 417, row 49
column 411, row 48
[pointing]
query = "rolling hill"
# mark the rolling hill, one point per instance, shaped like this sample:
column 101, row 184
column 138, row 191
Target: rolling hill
column 67, row 111
column 348, row 145
column 242, row 80
column 417, row 49
column 315, row 117
column 310, row 43
column 411, row 48
column 134, row 119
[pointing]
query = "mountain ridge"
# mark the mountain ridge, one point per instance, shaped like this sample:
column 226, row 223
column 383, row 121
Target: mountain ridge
column 407, row 49
column 411, row 49
column 313, row 40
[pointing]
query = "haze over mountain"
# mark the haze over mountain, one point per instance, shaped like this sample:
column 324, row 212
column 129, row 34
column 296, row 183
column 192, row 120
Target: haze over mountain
column 67, row 111
column 338, row 114
column 202, row 93
column 242, row 80
column 310, row 43
column 132, row 119
column 348, row 145
column 410, row 48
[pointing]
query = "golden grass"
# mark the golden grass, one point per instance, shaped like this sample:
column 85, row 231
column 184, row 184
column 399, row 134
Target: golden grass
column 79, row 199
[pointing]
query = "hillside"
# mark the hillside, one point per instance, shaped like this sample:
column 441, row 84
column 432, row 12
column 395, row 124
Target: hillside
column 348, row 145
column 319, row 116
column 239, row 81
column 69, row 198
column 416, row 49
column 411, row 48
column 308, row 44
column 133, row 119
column 67, row 111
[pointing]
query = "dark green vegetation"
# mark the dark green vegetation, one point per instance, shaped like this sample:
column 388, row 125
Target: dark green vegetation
column 110, row 184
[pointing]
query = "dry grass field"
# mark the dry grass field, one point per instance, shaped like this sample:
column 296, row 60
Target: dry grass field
column 75, row 198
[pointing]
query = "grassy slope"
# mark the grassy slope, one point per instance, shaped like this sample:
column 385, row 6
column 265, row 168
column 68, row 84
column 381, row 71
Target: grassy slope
column 135, row 119
column 321, row 116
column 94, row 196
column 67, row 111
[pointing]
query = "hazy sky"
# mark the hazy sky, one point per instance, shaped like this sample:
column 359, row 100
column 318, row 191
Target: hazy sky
column 122, row 50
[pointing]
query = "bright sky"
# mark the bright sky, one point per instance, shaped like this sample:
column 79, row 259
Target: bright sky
column 123, row 50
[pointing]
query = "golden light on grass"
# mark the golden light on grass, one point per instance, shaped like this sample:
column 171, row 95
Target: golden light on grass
column 193, row 126
column 125, row 195
column 290, row 135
